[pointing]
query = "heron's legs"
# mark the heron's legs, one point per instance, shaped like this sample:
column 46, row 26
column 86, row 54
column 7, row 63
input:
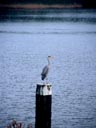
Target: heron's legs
column 46, row 80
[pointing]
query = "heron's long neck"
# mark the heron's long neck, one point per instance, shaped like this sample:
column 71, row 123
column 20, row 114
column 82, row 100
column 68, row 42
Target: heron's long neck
column 48, row 62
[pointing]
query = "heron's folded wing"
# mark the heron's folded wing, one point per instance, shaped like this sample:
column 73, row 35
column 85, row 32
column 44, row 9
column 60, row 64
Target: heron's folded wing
column 45, row 70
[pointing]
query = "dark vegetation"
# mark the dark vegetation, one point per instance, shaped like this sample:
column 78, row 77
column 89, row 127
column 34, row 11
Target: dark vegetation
column 15, row 124
column 84, row 3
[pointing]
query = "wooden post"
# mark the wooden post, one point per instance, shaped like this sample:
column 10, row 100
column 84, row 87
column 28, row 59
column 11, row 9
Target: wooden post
column 43, row 106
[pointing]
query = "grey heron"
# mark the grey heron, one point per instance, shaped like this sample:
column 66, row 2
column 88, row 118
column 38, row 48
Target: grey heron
column 45, row 70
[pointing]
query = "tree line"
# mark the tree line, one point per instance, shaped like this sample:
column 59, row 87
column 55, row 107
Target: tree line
column 84, row 3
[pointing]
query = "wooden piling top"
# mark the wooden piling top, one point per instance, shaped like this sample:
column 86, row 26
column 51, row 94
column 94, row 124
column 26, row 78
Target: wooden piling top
column 44, row 89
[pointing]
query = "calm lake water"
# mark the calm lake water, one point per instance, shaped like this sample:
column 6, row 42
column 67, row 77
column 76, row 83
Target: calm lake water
column 26, row 39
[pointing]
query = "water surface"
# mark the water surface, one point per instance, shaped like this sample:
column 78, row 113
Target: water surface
column 26, row 39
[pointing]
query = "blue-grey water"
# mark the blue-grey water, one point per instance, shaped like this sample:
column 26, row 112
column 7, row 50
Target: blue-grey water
column 26, row 39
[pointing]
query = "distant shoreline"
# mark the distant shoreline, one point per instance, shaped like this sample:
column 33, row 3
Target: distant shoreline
column 40, row 6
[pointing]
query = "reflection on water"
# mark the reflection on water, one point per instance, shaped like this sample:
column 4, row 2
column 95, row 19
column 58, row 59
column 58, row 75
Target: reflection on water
column 46, row 15
column 26, row 39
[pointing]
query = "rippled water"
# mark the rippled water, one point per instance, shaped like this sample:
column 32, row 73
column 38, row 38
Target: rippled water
column 26, row 39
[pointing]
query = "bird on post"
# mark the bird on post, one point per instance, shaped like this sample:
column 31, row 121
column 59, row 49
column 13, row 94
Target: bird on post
column 45, row 70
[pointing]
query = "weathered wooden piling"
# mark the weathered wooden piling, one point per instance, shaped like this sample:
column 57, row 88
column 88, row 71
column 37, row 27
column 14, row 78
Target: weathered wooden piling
column 43, row 106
